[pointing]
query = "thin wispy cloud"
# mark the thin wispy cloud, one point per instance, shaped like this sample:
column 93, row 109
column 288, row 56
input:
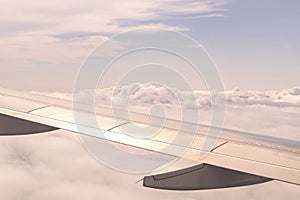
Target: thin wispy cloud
column 61, row 17
column 60, row 34
column 206, row 8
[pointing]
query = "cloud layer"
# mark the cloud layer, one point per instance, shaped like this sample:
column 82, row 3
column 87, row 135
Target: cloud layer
column 55, row 166
column 146, row 95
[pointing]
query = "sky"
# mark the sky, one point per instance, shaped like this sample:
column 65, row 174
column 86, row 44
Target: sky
column 254, row 44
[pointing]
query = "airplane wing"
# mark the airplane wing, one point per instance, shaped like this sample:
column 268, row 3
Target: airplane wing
column 236, row 159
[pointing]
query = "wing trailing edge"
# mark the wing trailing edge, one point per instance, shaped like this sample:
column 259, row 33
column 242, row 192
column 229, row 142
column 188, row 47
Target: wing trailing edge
column 10, row 126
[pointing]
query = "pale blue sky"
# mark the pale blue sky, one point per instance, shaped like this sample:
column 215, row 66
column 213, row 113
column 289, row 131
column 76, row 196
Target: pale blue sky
column 254, row 43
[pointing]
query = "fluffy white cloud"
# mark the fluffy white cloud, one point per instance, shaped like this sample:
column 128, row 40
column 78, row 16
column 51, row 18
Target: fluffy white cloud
column 138, row 94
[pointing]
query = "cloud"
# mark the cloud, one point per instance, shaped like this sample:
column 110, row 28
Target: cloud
column 58, row 167
column 57, row 35
column 208, row 8
column 284, row 98
column 57, row 17
column 139, row 94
